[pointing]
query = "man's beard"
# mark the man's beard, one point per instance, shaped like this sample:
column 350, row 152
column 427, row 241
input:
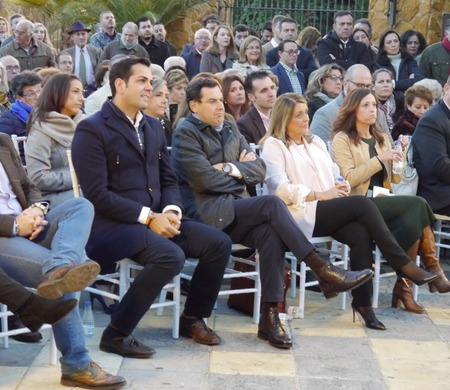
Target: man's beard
column 131, row 45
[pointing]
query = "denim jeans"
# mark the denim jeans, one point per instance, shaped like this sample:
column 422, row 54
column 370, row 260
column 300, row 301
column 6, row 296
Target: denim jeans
column 62, row 242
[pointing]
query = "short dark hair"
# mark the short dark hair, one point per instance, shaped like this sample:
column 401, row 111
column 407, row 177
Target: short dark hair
column 158, row 22
column 210, row 18
column 267, row 26
column 194, row 88
column 283, row 44
column 342, row 13
column 122, row 70
column 142, row 19
column 256, row 75
column 25, row 79
column 241, row 28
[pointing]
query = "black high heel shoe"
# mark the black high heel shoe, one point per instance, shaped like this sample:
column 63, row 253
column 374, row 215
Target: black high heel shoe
column 368, row 315
column 417, row 275
column 108, row 309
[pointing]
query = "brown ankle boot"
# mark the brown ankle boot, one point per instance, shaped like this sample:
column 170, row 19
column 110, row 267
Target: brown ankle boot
column 402, row 292
column 270, row 327
column 427, row 248
column 333, row 280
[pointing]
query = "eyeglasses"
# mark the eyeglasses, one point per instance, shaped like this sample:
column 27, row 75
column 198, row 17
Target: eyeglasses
column 292, row 52
column 203, row 38
column 12, row 67
column 335, row 78
column 359, row 85
column 253, row 48
column 32, row 94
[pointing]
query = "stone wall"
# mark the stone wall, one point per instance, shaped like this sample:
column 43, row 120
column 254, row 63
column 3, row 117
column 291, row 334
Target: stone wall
column 424, row 16
column 181, row 31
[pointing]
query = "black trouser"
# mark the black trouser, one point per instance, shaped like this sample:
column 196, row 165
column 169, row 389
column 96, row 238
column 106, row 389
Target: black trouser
column 264, row 223
column 163, row 259
column 12, row 294
column 357, row 222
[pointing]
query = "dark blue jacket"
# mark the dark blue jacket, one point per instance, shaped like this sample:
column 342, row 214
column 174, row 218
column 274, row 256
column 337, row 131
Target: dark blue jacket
column 284, row 84
column 119, row 179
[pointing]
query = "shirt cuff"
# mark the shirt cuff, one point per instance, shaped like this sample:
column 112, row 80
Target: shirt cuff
column 143, row 215
column 235, row 172
column 173, row 207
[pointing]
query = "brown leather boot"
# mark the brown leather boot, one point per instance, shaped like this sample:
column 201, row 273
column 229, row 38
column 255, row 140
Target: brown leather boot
column 402, row 292
column 270, row 327
column 333, row 280
column 427, row 249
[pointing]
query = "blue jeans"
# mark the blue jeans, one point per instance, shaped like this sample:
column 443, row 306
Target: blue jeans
column 62, row 242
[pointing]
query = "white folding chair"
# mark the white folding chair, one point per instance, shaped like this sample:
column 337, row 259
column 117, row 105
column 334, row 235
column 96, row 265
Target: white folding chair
column 17, row 140
column 124, row 275
column 337, row 258
column 5, row 333
column 231, row 273
column 442, row 232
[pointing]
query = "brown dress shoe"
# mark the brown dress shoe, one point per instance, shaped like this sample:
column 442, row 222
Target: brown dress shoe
column 92, row 377
column 67, row 279
column 197, row 330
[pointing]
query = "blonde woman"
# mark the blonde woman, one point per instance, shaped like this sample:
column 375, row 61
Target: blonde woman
column 221, row 53
column 250, row 57
column 40, row 33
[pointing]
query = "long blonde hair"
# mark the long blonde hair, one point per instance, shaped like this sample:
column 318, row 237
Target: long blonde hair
column 282, row 113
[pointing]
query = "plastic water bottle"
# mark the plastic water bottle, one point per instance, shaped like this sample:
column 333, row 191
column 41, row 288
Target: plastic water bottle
column 286, row 320
column 397, row 166
column 88, row 320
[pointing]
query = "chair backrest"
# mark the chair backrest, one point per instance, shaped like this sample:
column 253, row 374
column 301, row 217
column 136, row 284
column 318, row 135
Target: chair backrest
column 17, row 140
column 73, row 175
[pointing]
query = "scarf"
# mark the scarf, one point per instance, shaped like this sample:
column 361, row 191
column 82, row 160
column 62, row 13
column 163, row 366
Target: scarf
column 58, row 127
column 4, row 101
column 323, row 96
column 21, row 110
column 389, row 108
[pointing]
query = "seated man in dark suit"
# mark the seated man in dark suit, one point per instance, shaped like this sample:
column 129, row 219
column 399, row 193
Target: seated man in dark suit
column 290, row 78
column 339, row 47
column 124, row 169
column 214, row 165
column 305, row 59
column 262, row 92
column 431, row 147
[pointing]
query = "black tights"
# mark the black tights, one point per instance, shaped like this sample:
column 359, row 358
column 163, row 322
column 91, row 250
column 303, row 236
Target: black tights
column 356, row 221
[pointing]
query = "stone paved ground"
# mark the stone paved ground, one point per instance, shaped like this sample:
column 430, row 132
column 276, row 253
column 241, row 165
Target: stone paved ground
column 330, row 352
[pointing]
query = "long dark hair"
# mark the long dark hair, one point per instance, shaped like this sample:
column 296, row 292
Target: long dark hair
column 346, row 119
column 382, row 55
column 52, row 98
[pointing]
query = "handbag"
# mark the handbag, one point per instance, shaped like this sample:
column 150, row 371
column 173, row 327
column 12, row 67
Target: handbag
column 244, row 302
column 410, row 179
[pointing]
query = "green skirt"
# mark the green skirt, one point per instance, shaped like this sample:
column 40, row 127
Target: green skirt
column 405, row 216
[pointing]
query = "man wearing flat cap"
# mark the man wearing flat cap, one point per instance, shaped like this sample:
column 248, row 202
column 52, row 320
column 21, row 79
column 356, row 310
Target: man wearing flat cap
column 85, row 56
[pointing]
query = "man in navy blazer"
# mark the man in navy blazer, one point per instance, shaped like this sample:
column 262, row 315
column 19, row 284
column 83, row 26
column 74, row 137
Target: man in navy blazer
column 124, row 169
column 305, row 59
column 431, row 145
column 290, row 78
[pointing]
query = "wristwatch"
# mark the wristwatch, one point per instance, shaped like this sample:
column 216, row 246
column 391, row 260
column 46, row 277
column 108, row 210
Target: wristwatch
column 227, row 169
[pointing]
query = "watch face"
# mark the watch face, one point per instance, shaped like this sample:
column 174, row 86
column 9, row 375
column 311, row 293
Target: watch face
column 226, row 168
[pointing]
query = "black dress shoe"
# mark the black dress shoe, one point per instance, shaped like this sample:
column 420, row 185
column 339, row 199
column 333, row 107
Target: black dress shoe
column 196, row 329
column 271, row 329
column 125, row 346
column 29, row 337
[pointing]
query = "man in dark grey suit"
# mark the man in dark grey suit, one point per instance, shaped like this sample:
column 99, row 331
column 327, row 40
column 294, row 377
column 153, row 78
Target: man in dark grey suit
column 431, row 147
column 82, row 51
column 215, row 165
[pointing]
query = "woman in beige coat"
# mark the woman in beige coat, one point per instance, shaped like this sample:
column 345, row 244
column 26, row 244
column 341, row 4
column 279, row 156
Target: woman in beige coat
column 365, row 157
